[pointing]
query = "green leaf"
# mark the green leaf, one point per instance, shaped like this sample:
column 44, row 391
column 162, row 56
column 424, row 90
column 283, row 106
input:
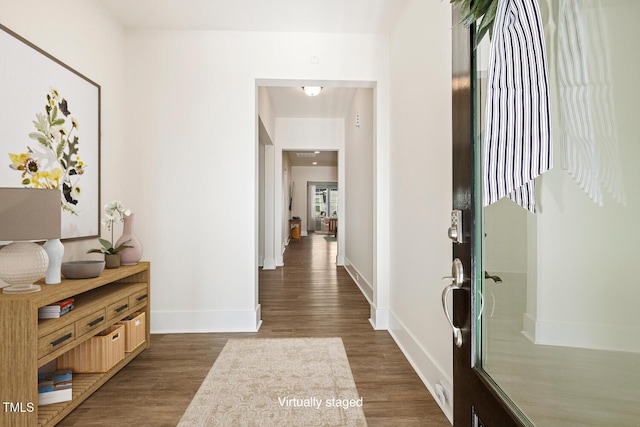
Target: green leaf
column 57, row 122
column 487, row 22
column 26, row 181
column 41, row 123
column 121, row 247
column 60, row 150
column 482, row 8
column 105, row 243
column 73, row 149
column 479, row 12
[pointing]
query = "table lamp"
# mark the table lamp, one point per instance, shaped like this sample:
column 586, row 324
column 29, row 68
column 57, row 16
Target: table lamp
column 26, row 214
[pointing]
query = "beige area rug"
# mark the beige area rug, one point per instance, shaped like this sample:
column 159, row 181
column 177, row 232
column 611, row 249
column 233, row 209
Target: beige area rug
column 278, row 382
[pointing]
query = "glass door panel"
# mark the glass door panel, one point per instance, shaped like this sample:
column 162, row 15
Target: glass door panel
column 325, row 207
column 559, row 289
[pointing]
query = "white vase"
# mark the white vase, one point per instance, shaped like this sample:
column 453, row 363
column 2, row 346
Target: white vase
column 55, row 251
column 129, row 256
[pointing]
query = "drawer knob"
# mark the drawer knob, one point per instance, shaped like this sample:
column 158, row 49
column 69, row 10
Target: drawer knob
column 122, row 307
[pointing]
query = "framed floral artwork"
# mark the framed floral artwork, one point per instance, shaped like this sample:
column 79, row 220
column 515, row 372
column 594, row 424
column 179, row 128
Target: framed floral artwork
column 50, row 132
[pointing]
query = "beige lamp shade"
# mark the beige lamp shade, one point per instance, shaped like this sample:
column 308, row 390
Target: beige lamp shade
column 29, row 214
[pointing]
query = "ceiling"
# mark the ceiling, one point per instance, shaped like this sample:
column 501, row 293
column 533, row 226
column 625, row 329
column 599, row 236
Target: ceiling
column 307, row 158
column 311, row 16
column 332, row 102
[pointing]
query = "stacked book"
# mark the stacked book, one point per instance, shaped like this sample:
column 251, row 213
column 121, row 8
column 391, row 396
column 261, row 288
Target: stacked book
column 54, row 387
column 55, row 310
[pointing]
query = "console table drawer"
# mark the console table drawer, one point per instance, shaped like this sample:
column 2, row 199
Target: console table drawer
column 56, row 340
column 118, row 308
column 139, row 298
column 90, row 322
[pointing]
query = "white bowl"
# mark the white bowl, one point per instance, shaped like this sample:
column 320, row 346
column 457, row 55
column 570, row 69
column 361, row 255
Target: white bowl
column 82, row 269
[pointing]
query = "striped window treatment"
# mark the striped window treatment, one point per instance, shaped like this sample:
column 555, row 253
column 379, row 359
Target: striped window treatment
column 517, row 141
column 589, row 130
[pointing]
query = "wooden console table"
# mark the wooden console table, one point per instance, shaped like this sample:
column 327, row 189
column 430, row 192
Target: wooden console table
column 295, row 226
column 27, row 343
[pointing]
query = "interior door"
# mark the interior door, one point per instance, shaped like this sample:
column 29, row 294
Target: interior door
column 544, row 304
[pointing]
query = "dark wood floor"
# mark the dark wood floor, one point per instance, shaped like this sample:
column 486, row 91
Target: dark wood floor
column 308, row 297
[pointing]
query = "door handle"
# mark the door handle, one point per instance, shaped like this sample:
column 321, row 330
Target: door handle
column 495, row 278
column 457, row 279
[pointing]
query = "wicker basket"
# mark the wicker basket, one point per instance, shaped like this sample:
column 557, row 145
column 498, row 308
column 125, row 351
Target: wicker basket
column 98, row 354
column 134, row 331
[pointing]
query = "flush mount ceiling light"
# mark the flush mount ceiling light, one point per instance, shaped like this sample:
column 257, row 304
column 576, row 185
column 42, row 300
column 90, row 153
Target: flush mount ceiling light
column 312, row 90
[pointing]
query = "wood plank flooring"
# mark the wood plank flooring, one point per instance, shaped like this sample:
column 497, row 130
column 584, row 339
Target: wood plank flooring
column 308, row 297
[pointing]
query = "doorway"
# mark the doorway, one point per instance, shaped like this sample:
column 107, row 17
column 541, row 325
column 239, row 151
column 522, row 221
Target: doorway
column 323, row 207
column 347, row 128
column 547, row 306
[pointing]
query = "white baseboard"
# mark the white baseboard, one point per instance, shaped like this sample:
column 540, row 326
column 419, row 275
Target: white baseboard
column 582, row 335
column 438, row 382
column 174, row 322
column 529, row 327
column 269, row 264
column 365, row 287
column 379, row 318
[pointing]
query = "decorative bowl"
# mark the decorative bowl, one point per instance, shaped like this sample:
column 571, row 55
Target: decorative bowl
column 82, row 269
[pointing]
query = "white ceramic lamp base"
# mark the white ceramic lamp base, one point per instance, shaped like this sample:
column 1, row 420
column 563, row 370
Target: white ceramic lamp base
column 21, row 264
column 55, row 251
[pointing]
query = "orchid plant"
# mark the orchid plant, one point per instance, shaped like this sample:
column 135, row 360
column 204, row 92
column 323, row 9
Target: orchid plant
column 114, row 214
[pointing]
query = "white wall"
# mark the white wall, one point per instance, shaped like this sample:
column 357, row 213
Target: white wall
column 99, row 57
column 421, row 188
column 192, row 104
column 359, row 189
column 266, row 181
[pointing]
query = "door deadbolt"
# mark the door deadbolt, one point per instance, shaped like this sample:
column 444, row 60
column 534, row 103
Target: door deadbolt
column 455, row 230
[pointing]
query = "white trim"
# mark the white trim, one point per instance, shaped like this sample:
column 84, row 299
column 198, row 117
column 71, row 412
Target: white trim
column 357, row 277
column 175, row 322
column 379, row 318
column 582, row 335
column 529, row 327
column 269, row 264
column 437, row 380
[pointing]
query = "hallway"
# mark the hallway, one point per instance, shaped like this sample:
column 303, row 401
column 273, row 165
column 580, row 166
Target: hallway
column 308, row 297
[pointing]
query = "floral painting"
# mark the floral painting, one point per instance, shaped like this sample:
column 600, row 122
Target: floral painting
column 50, row 132
column 53, row 161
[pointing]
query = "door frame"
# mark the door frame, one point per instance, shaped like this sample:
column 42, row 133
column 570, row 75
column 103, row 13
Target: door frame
column 475, row 394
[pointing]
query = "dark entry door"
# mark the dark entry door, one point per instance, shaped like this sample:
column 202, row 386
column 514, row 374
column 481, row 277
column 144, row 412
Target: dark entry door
column 475, row 397
column 544, row 305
